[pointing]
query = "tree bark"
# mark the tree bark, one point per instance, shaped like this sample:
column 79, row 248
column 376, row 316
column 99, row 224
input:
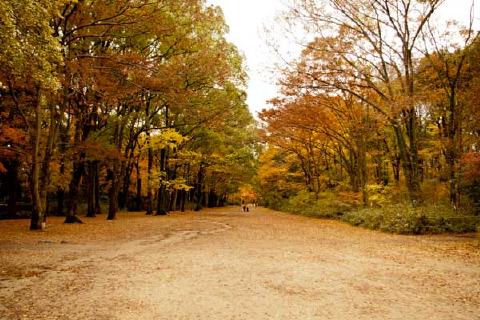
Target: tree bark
column 183, row 196
column 45, row 168
column 64, row 141
column 409, row 161
column 162, row 199
column 173, row 201
column 91, row 189
column 198, row 188
column 60, row 202
column 139, row 200
column 77, row 174
column 78, row 170
column 149, row 203
column 36, row 222
column 96, row 180
column 113, row 193
column 127, row 168
column 13, row 187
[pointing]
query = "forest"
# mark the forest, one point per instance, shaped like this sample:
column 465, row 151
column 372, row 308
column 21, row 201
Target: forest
column 379, row 112
column 115, row 105
column 136, row 182
column 132, row 105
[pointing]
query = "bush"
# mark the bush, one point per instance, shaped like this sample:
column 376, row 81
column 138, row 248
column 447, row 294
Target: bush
column 326, row 205
column 401, row 218
column 406, row 219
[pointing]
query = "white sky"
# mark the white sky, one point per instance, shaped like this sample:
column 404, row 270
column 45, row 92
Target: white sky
column 246, row 19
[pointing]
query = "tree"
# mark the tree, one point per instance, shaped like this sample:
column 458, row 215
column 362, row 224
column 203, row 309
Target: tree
column 321, row 130
column 368, row 50
column 115, row 83
column 28, row 58
column 444, row 75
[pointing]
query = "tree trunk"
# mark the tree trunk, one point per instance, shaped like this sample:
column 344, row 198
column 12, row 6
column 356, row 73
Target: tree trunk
column 409, row 160
column 149, row 177
column 362, row 165
column 149, row 203
column 183, row 198
column 139, row 200
column 198, row 188
column 212, row 199
column 40, row 177
column 113, row 193
column 13, row 188
column 162, row 199
column 223, row 200
column 64, row 141
column 77, row 174
column 96, row 187
column 453, row 150
column 414, row 183
column 173, row 201
column 78, row 170
column 36, row 222
column 45, row 168
column 91, row 189
column 60, row 202
column 205, row 199
column 124, row 194
column 396, row 169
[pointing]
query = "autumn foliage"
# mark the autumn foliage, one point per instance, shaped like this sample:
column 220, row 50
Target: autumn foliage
column 114, row 105
column 380, row 104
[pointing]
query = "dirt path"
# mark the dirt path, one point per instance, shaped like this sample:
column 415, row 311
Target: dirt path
column 224, row 264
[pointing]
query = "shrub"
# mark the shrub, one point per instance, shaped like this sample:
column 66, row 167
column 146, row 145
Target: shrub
column 325, row 205
column 401, row 218
column 406, row 219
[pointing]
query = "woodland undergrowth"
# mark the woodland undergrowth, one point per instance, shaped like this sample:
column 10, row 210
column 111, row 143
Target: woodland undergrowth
column 401, row 218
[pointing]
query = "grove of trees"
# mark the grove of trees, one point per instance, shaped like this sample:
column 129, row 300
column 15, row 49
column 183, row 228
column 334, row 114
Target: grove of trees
column 136, row 103
column 141, row 105
column 381, row 107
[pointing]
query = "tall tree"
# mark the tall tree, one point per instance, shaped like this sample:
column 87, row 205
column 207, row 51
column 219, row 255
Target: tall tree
column 28, row 64
column 367, row 49
column 444, row 75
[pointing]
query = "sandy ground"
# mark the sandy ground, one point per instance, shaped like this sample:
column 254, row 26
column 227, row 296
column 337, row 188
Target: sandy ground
column 225, row 264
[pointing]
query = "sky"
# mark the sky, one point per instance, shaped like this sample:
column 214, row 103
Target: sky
column 246, row 20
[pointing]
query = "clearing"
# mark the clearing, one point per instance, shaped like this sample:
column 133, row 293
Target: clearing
column 225, row 264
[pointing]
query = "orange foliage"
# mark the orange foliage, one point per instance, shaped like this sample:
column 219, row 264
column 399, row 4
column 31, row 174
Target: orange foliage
column 471, row 167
